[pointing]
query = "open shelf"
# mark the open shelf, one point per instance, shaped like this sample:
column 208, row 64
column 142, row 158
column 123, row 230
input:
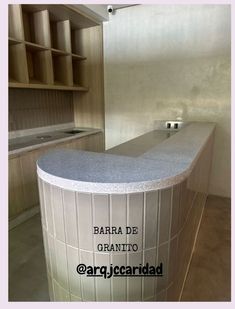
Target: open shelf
column 36, row 26
column 17, row 63
column 60, row 35
column 76, row 42
column 44, row 48
column 13, row 41
column 15, row 84
column 78, row 73
column 62, row 68
column 16, row 30
column 39, row 65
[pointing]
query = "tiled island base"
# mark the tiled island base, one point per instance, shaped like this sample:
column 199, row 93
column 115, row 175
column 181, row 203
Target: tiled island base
column 167, row 221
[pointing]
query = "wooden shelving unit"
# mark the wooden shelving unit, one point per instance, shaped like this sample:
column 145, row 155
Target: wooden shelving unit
column 43, row 48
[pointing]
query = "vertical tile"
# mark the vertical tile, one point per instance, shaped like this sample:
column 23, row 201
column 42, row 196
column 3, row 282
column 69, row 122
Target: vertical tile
column 118, row 211
column 100, row 218
column 134, row 284
column 87, row 283
column 173, row 292
column 149, row 284
column 73, row 277
column 48, row 208
column 41, row 199
column 165, row 215
column 163, row 258
column 60, row 293
column 151, row 219
column 58, row 211
column 70, row 218
column 85, row 225
column 50, row 287
column 119, row 284
column 62, row 264
column 46, row 251
column 52, row 107
column 161, row 296
column 173, row 265
column 175, row 210
column 135, row 218
column 103, row 286
column 52, row 256
column 75, row 298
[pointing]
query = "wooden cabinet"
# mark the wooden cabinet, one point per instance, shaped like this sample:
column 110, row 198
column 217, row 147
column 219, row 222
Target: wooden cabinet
column 23, row 187
column 44, row 48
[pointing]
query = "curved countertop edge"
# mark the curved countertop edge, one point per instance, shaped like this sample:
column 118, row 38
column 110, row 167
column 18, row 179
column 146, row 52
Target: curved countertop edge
column 111, row 188
column 125, row 187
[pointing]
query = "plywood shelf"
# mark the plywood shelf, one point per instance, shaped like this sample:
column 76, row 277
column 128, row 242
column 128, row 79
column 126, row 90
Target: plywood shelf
column 13, row 41
column 78, row 57
column 35, row 85
column 59, row 52
column 35, row 47
column 44, row 43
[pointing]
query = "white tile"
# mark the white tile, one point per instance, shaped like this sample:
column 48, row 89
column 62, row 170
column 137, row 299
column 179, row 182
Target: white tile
column 165, row 215
column 172, row 259
column 134, row 284
column 175, row 210
column 70, row 218
column 46, row 250
column 163, row 258
column 87, row 283
column 73, row 277
column 151, row 219
column 118, row 217
column 100, row 218
column 58, row 211
column 102, row 285
column 50, row 287
column 149, row 284
column 85, row 224
column 135, row 218
column 75, row 298
column 52, row 255
column 161, row 296
column 62, row 264
column 48, row 208
column 60, row 293
column 41, row 199
column 119, row 284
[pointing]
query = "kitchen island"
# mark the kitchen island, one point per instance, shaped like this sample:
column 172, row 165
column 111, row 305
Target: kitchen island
column 148, row 193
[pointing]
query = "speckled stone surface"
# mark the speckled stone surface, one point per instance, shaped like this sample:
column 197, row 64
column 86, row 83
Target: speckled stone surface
column 163, row 165
column 23, row 144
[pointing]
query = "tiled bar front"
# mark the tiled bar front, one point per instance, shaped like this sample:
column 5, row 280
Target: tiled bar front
column 167, row 221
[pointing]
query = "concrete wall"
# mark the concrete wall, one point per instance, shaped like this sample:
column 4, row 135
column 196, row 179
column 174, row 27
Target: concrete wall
column 169, row 62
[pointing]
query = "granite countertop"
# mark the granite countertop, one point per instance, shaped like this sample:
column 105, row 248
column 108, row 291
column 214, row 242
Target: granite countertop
column 23, row 144
column 151, row 161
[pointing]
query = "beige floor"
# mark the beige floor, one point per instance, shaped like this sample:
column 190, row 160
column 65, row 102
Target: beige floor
column 208, row 277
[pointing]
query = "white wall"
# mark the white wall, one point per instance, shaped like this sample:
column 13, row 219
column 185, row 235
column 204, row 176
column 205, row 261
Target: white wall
column 164, row 62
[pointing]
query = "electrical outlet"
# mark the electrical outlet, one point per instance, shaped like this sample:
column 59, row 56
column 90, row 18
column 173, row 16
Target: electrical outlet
column 173, row 125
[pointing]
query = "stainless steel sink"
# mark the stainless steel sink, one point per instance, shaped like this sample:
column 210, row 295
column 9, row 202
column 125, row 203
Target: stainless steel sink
column 44, row 136
column 75, row 131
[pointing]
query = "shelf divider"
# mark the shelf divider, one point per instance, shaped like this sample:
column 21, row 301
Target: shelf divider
column 37, row 27
column 34, row 85
column 18, row 70
column 15, row 20
column 62, row 68
column 61, row 35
